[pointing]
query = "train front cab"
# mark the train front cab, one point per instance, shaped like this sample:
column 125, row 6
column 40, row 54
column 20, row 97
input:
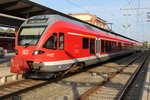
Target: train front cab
column 32, row 50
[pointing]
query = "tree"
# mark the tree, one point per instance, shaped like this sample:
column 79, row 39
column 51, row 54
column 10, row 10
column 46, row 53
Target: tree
column 9, row 30
column 1, row 29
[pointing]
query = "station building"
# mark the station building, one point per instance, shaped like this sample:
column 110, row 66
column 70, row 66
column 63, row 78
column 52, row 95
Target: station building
column 93, row 19
column 148, row 45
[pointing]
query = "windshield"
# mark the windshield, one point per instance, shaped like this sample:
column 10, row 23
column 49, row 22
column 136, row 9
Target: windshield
column 30, row 35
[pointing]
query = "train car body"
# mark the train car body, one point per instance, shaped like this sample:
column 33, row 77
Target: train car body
column 50, row 44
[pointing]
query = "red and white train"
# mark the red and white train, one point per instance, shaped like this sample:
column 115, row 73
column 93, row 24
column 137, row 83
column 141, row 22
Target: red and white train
column 50, row 44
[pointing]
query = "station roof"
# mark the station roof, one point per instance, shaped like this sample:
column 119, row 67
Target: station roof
column 14, row 12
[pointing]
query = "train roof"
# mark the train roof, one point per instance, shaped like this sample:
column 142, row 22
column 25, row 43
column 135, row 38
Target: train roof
column 55, row 17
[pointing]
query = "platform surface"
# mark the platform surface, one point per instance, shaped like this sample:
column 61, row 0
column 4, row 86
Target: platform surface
column 4, row 68
column 146, row 86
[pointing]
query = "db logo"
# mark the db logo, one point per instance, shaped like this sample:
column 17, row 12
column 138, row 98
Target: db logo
column 25, row 52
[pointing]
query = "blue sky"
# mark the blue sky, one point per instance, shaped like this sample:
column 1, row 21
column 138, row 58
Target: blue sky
column 109, row 10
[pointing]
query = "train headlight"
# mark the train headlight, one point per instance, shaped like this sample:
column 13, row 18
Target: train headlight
column 36, row 52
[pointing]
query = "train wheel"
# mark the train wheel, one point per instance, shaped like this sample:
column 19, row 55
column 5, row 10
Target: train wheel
column 75, row 67
column 81, row 66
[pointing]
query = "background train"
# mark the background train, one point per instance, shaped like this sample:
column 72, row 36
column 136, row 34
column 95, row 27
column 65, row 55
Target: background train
column 48, row 45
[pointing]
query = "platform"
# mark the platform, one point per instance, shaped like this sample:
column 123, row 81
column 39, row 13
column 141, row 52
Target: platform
column 5, row 75
column 6, row 59
column 146, row 86
column 4, row 68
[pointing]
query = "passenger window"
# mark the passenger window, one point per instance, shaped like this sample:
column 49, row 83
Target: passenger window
column 120, row 45
column 102, row 46
column 113, row 47
column 85, row 43
column 51, row 43
column 97, row 46
column 61, row 41
column 107, row 46
column 92, row 46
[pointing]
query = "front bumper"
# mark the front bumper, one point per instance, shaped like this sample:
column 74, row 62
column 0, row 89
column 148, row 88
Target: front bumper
column 19, row 65
column 43, row 67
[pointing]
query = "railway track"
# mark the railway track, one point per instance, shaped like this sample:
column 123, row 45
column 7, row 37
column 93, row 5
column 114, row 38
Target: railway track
column 135, row 89
column 117, row 84
column 60, row 87
column 13, row 89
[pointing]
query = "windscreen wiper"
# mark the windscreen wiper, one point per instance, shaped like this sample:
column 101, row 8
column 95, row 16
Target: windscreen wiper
column 28, row 44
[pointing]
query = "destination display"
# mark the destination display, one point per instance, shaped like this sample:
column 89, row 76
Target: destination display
column 37, row 21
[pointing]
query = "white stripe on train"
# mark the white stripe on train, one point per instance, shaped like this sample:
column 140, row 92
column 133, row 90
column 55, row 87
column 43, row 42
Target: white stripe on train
column 71, row 61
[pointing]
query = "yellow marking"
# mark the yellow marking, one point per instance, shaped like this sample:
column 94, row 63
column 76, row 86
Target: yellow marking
column 81, row 35
column 88, row 36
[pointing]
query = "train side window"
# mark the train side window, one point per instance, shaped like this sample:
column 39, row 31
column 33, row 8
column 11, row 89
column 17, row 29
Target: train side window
column 107, row 46
column 61, row 41
column 113, row 46
column 85, row 43
column 102, row 46
column 126, row 46
column 92, row 46
column 51, row 43
column 97, row 46
column 120, row 45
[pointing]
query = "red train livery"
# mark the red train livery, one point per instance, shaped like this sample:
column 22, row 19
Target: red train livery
column 50, row 44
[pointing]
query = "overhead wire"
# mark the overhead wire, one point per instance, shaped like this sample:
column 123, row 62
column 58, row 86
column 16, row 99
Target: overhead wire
column 78, row 6
column 139, row 21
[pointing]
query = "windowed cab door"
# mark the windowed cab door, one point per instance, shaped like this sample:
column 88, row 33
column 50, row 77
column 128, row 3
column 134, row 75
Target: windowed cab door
column 54, row 46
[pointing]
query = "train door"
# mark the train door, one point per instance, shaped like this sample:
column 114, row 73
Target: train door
column 97, row 46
